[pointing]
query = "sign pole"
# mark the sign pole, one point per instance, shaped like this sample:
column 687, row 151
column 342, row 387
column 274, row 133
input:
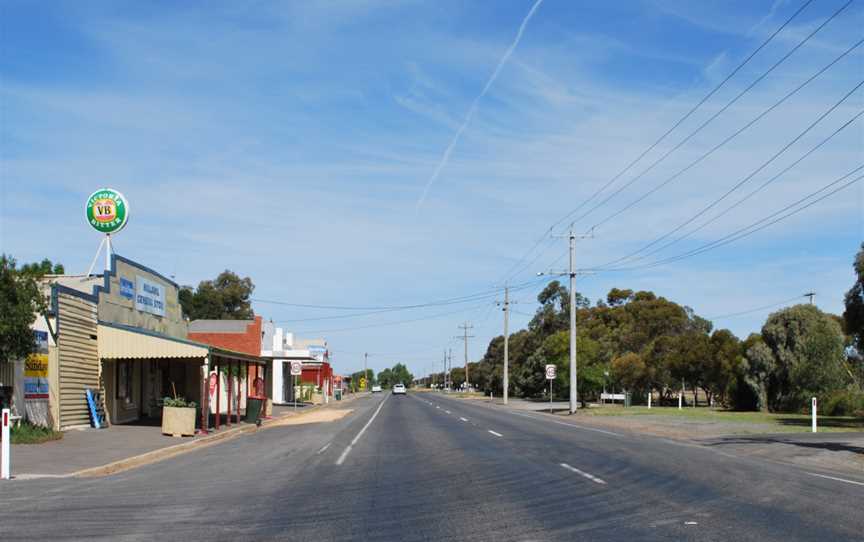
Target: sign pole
column 550, row 397
column 4, row 470
column 108, row 251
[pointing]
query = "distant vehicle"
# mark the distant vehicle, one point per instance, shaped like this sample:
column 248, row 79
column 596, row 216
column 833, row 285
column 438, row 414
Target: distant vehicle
column 399, row 389
column 376, row 389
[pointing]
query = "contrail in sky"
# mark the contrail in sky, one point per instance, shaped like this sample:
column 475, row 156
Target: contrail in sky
column 473, row 109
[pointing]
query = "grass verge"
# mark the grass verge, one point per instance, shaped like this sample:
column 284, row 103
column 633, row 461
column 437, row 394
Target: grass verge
column 33, row 434
column 782, row 422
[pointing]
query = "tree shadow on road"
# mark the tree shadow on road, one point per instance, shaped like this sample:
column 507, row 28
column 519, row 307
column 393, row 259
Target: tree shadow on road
column 767, row 440
column 839, row 422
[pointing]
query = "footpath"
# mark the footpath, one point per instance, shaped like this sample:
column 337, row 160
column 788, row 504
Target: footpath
column 98, row 452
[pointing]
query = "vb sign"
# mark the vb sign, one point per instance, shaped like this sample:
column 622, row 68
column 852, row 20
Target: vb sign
column 550, row 372
column 296, row 368
column 107, row 210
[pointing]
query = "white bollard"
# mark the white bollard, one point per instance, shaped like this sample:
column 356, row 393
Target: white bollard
column 649, row 398
column 813, row 414
column 680, row 396
column 4, row 454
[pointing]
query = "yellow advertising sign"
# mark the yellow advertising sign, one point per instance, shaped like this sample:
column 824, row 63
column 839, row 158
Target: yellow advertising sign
column 36, row 377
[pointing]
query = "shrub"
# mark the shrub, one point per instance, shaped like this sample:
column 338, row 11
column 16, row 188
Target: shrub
column 844, row 403
column 177, row 402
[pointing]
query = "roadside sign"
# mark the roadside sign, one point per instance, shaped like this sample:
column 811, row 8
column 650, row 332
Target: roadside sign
column 362, row 382
column 550, row 372
column 296, row 368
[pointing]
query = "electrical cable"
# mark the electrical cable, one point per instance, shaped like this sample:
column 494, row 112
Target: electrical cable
column 728, row 208
column 715, row 148
column 755, row 309
column 659, row 140
column 705, row 123
column 754, row 227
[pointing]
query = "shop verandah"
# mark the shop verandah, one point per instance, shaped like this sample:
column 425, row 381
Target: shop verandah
column 140, row 370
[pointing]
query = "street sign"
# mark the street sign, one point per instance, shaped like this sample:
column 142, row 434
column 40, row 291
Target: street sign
column 107, row 210
column 296, row 368
column 550, row 372
column 362, row 382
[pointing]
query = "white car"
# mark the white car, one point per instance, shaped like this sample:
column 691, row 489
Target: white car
column 376, row 389
column 399, row 389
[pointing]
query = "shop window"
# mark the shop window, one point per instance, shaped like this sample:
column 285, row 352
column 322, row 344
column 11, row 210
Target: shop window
column 124, row 381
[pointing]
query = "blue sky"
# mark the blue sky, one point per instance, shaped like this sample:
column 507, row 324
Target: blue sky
column 291, row 142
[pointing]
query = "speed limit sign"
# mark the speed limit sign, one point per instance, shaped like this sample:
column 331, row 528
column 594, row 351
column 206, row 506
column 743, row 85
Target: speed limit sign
column 296, row 368
column 550, row 372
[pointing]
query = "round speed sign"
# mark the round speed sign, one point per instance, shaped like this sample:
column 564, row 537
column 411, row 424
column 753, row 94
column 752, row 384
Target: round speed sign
column 550, row 372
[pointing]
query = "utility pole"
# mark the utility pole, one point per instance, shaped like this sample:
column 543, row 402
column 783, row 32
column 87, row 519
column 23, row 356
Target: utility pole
column 506, row 309
column 572, row 272
column 465, row 327
column 450, row 365
column 365, row 371
column 811, row 295
column 574, row 404
column 445, row 370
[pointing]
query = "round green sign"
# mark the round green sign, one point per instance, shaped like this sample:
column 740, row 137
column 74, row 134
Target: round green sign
column 107, row 210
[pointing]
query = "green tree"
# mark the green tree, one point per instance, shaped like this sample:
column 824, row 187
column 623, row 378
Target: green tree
column 808, row 356
column 21, row 301
column 356, row 376
column 631, row 371
column 854, row 313
column 225, row 298
column 45, row 267
column 398, row 374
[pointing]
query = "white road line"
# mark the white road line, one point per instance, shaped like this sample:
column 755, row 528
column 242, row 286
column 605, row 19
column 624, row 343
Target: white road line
column 835, row 478
column 463, row 419
column 496, row 434
column 583, row 473
column 573, row 426
column 323, row 448
column 448, row 412
column 360, row 434
column 438, row 407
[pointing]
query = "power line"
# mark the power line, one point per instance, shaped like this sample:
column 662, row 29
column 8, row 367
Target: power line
column 660, row 139
column 755, row 309
column 380, row 309
column 398, row 322
column 706, row 123
column 730, row 207
column 755, row 226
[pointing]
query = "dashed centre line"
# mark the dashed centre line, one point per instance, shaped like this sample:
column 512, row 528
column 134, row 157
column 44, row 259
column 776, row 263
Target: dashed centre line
column 323, row 448
column 496, row 434
column 463, row 419
column 835, row 478
column 584, row 474
column 360, row 434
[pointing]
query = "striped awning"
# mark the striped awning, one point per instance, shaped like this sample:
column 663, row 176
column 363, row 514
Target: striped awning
column 120, row 343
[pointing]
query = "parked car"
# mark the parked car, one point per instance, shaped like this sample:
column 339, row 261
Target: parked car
column 399, row 389
column 376, row 389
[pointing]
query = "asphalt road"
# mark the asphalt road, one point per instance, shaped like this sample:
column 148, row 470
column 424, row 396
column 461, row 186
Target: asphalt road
column 429, row 467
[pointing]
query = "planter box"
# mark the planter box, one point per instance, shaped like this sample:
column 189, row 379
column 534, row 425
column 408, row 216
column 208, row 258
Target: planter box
column 178, row 422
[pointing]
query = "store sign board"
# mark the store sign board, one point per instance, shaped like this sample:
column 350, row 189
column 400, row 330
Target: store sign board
column 149, row 296
column 127, row 288
column 36, row 369
column 107, row 210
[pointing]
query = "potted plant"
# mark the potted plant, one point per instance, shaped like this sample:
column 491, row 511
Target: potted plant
column 178, row 416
